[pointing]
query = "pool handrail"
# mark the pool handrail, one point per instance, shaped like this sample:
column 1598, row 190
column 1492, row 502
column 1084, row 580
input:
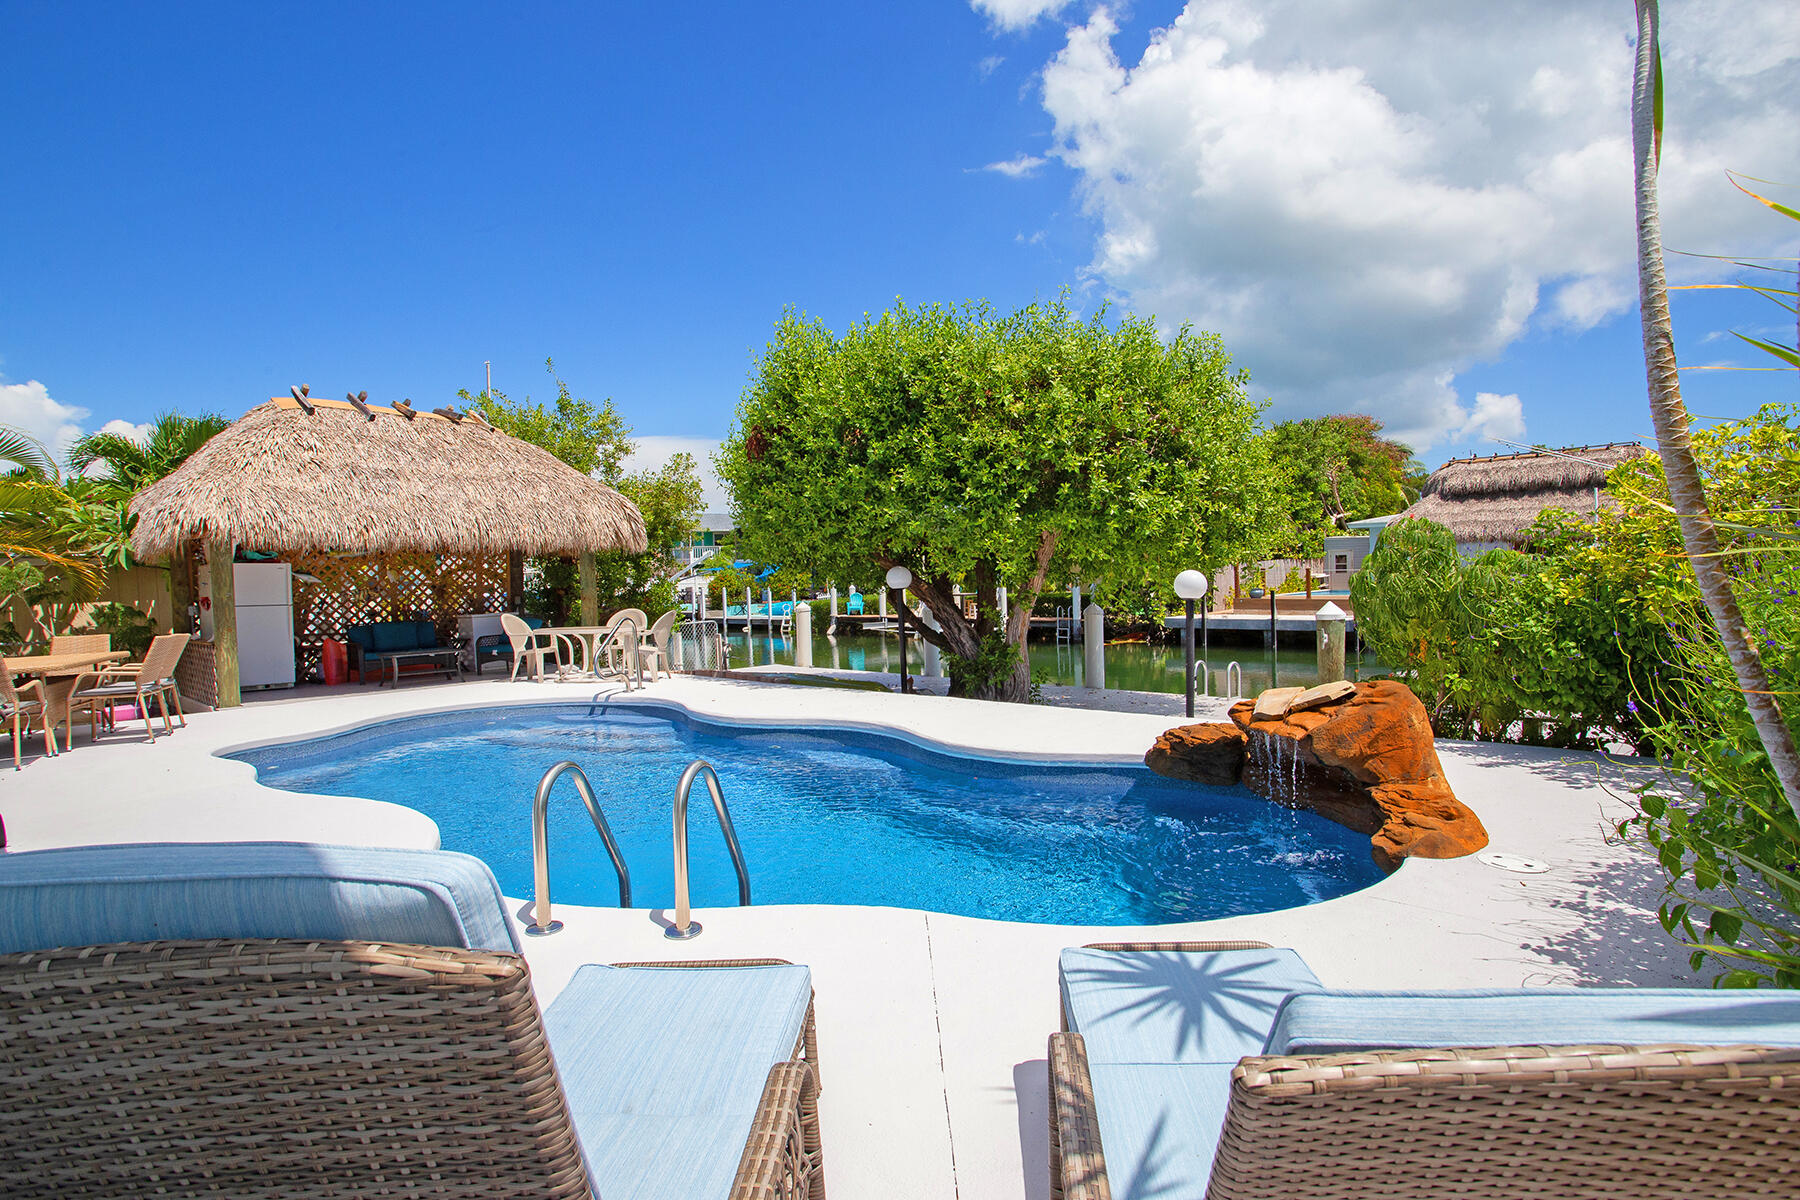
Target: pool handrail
column 685, row 926
column 541, row 923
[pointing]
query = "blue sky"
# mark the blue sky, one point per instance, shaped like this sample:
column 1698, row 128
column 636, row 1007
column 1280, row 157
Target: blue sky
column 205, row 204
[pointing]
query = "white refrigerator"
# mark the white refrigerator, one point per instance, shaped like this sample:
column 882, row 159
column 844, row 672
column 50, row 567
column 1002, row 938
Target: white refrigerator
column 265, row 621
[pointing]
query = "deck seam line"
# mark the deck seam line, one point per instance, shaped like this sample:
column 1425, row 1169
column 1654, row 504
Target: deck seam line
column 937, row 1018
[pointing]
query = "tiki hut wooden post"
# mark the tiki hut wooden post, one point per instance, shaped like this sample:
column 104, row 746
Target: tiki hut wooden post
column 219, row 557
column 332, row 485
column 590, row 597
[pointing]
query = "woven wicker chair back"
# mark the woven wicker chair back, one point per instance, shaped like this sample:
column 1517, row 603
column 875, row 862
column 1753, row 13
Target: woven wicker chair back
column 1513, row 1123
column 160, row 659
column 275, row 1069
column 80, row 643
column 9, row 696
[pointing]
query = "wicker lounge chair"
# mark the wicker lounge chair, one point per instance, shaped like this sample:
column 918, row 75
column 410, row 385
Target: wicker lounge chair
column 278, row 1020
column 152, row 679
column 18, row 711
column 1225, row 1070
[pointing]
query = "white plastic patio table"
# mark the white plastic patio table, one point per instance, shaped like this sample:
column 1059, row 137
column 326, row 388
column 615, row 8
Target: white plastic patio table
column 588, row 638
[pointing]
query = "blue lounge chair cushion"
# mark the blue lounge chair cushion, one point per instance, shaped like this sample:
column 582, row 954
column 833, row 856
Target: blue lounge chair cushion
column 1160, row 1126
column 1165, row 1006
column 391, row 636
column 92, row 895
column 663, row 1069
column 362, row 635
column 1345, row 1022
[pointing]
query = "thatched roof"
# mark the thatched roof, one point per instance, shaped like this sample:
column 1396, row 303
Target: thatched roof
column 286, row 480
column 1494, row 499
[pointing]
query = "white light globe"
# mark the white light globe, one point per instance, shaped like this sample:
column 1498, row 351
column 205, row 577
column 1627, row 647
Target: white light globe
column 1190, row 585
column 899, row 578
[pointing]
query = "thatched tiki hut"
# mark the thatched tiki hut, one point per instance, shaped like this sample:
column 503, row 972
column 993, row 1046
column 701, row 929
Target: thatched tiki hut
column 383, row 512
column 1490, row 502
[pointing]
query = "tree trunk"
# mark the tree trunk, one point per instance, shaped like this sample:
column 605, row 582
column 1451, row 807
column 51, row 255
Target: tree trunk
column 963, row 637
column 1687, row 492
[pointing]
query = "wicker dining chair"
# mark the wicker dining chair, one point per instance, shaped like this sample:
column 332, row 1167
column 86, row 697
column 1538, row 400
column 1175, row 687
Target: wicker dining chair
column 80, row 643
column 154, row 678
column 18, row 711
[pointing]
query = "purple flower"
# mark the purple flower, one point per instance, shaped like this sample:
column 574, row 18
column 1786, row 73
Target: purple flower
column 1631, row 707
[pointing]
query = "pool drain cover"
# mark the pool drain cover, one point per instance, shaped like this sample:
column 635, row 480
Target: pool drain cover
column 1513, row 862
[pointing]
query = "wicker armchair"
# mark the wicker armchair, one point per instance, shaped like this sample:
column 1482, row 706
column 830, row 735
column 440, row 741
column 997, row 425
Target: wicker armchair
column 1645, row 1122
column 303, row 1054
column 140, row 683
column 18, row 711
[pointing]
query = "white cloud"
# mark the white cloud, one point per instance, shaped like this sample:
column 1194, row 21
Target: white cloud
column 1017, row 167
column 989, row 65
column 1365, row 198
column 29, row 406
column 653, row 451
column 1493, row 417
column 1017, row 15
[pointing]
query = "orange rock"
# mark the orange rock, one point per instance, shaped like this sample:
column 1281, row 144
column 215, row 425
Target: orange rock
column 1368, row 762
column 1206, row 753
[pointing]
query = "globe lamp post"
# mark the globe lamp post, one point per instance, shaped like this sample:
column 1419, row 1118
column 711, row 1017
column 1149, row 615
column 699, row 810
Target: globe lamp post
column 1190, row 586
column 898, row 580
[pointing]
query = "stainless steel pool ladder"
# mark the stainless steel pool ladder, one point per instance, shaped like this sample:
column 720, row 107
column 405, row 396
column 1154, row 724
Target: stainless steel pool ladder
column 637, row 658
column 685, row 926
column 1234, row 681
column 541, row 924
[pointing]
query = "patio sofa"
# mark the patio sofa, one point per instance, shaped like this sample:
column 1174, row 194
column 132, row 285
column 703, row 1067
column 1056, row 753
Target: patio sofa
column 272, row 1020
column 369, row 644
column 1227, row 1070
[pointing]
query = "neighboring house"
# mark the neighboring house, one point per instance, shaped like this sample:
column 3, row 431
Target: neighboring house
column 1488, row 503
column 1344, row 553
column 715, row 530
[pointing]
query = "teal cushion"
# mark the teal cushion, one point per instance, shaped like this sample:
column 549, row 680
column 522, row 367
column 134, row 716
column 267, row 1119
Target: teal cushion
column 1342, row 1022
column 663, row 1068
column 92, row 895
column 1165, row 1006
column 1159, row 1126
column 424, row 635
column 362, row 635
column 394, row 635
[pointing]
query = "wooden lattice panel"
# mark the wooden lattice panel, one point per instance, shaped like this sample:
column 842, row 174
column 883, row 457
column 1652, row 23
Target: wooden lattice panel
column 359, row 589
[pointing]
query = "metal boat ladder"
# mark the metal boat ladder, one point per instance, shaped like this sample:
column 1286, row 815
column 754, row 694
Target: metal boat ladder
column 541, row 923
column 1065, row 625
column 685, row 926
column 1234, row 681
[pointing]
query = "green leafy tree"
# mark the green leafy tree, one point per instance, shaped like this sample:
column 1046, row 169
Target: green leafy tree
column 1340, row 469
column 998, row 451
column 594, row 439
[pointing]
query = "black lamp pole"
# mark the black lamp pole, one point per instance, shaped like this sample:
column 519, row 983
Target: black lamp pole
column 1187, row 642
column 900, row 607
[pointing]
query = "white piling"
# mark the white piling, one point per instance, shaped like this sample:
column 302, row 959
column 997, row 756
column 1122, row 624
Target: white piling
column 1075, row 607
column 933, row 666
column 1093, row 647
column 803, row 635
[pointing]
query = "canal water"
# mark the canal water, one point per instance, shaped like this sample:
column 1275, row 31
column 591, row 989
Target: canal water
column 1130, row 666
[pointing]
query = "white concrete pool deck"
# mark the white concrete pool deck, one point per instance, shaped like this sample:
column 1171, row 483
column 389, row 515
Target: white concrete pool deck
column 932, row 1028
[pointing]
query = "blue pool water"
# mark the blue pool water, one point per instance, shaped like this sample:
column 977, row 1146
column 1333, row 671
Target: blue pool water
column 835, row 817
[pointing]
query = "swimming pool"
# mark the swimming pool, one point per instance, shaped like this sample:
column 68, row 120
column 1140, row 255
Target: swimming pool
column 834, row 817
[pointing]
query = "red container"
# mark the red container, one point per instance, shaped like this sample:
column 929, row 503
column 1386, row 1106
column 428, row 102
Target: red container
column 334, row 661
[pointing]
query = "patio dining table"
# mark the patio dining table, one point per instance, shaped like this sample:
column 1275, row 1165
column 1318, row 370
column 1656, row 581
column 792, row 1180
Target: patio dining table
column 60, row 673
column 587, row 638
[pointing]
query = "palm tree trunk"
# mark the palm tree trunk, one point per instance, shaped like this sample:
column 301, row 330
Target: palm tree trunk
column 1670, row 416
